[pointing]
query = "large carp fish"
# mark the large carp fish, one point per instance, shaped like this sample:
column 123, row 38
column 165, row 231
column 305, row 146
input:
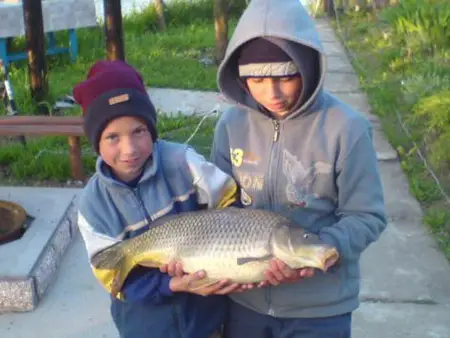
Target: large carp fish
column 231, row 243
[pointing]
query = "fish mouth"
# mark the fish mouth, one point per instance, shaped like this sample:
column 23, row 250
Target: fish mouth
column 330, row 257
column 321, row 258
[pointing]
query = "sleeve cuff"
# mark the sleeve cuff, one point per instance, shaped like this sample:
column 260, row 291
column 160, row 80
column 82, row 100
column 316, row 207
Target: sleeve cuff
column 164, row 286
column 330, row 240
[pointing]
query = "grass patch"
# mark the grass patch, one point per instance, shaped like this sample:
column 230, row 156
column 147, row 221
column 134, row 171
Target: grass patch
column 402, row 57
column 174, row 58
column 45, row 160
column 166, row 59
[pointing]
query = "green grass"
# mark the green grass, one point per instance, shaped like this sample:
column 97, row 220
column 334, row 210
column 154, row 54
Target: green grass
column 45, row 160
column 165, row 59
column 402, row 57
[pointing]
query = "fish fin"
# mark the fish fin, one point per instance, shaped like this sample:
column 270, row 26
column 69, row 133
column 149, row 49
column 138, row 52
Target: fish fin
column 116, row 286
column 202, row 283
column 245, row 260
column 109, row 258
column 148, row 263
column 152, row 259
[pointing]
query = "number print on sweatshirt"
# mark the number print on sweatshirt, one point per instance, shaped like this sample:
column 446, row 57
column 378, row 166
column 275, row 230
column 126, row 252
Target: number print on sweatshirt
column 300, row 180
column 237, row 155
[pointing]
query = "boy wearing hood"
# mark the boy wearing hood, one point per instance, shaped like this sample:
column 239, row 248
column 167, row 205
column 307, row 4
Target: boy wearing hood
column 297, row 150
column 138, row 179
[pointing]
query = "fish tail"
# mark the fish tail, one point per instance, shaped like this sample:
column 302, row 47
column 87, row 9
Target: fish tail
column 110, row 258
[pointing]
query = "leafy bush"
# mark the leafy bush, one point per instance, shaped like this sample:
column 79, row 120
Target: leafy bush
column 403, row 60
column 179, row 13
column 433, row 112
column 421, row 23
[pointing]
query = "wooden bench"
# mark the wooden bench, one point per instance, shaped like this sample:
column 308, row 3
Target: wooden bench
column 70, row 126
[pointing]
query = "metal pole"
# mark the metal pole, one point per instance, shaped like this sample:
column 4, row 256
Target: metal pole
column 34, row 36
column 113, row 30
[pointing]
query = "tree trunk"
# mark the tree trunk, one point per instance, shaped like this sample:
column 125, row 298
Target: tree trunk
column 221, row 29
column 37, row 66
column 329, row 8
column 379, row 4
column 113, row 30
column 159, row 5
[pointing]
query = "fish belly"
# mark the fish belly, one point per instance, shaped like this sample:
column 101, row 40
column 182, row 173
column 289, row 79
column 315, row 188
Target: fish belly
column 250, row 272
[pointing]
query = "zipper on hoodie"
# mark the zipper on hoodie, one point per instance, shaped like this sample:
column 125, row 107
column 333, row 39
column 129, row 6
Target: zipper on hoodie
column 276, row 132
column 137, row 193
column 276, row 136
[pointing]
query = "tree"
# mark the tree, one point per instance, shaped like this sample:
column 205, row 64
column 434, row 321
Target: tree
column 159, row 5
column 113, row 30
column 221, row 28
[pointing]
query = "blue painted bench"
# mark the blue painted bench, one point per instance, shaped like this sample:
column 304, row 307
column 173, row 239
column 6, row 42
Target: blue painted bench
column 58, row 15
column 52, row 48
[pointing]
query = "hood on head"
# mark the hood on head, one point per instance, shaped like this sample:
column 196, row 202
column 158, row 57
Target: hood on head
column 287, row 24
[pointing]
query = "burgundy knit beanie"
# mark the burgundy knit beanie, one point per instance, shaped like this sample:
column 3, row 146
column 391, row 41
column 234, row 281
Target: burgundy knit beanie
column 113, row 89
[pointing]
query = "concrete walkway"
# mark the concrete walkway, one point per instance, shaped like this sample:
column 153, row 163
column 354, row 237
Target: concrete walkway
column 406, row 280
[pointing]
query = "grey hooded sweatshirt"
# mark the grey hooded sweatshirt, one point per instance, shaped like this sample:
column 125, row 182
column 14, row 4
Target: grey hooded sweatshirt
column 317, row 166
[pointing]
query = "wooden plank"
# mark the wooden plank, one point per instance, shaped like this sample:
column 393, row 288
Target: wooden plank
column 42, row 130
column 76, row 165
column 41, row 120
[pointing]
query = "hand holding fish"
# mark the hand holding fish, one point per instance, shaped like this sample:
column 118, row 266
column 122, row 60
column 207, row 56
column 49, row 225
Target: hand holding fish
column 175, row 269
column 189, row 283
column 278, row 272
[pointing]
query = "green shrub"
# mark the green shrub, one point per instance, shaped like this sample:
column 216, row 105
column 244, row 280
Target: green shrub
column 423, row 24
column 433, row 114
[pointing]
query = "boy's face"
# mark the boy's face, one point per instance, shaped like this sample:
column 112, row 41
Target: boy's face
column 276, row 94
column 125, row 145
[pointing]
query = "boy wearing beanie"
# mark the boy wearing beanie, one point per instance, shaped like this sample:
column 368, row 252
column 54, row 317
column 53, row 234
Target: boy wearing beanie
column 297, row 150
column 140, row 178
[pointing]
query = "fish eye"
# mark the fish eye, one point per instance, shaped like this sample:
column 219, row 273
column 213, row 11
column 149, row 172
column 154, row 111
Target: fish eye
column 305, row 236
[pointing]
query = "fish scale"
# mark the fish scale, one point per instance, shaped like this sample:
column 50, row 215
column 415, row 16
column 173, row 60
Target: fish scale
column 197, row 235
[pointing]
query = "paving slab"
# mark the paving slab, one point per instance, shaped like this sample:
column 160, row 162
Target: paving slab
column 333, row 48
column 385, row 151
column 188, row 102
column 400, row 204
column 375, row 320
column 358, row 100
column 77, row 306
column 394, row 271
column 326, row 34
column 405, row 264
column 28, row 265
column 341, row 82
column 338, row 64
column 325, row 30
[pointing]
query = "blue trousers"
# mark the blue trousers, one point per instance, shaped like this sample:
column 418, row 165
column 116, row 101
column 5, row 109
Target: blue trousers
column 244, row 323
column 181, row 316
